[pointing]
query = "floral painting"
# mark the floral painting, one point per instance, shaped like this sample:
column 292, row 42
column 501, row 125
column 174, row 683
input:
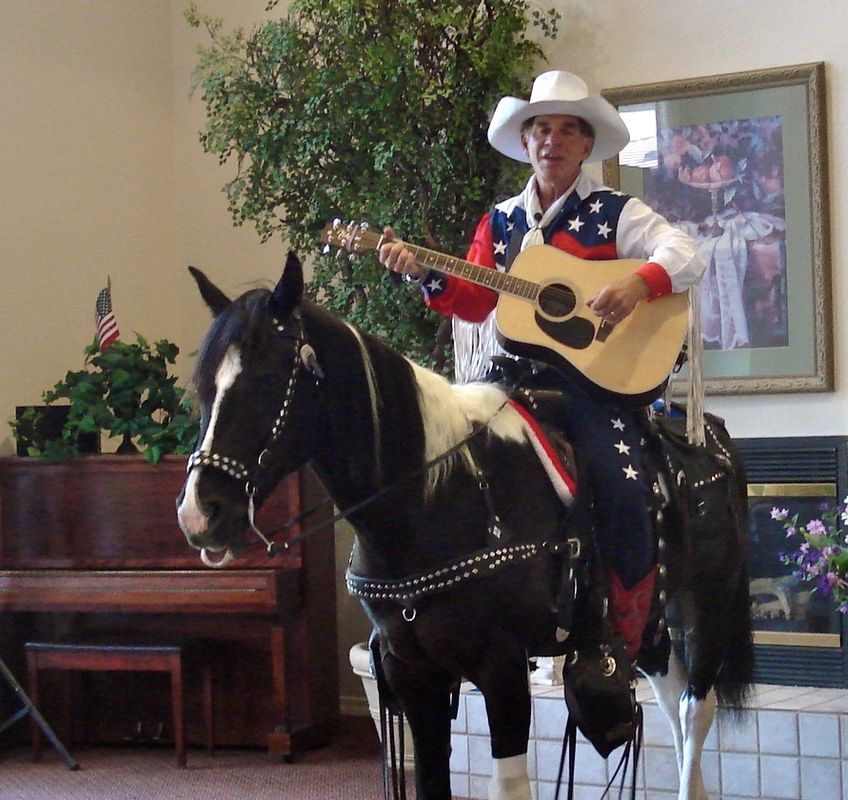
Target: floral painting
column 723, row 182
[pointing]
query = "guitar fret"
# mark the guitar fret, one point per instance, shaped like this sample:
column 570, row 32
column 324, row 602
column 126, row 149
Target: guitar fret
column 484, row 276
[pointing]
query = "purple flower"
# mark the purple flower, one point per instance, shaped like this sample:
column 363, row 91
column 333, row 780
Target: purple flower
column 780, row 513
column 815, row 527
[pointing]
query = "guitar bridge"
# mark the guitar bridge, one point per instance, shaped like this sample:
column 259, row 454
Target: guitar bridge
column 604, row 330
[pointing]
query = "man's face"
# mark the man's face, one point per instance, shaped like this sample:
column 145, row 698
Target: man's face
column 556, row 147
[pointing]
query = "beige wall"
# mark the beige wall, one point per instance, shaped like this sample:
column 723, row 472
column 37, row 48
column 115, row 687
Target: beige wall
column 102, row 173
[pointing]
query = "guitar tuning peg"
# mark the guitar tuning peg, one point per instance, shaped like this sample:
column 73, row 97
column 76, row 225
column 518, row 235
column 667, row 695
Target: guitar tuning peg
column 337, row 223
column 326, row 249
column 364, row 226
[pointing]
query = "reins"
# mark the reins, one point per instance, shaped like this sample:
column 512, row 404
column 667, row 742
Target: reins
column 275, row 548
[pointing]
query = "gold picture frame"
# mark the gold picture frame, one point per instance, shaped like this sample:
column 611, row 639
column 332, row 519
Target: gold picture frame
column 740, row 161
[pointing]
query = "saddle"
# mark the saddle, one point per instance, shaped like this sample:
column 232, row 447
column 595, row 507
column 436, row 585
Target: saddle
column 691, row 486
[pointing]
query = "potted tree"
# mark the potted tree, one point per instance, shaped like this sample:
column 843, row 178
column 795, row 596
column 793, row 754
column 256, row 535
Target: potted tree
column 368, row 111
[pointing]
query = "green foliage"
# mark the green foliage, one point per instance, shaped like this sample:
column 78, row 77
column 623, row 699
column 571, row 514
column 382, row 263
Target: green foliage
column 367, row 109
column 127, row 392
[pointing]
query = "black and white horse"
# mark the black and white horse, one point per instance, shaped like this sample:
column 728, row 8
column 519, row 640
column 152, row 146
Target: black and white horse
column 281, row 382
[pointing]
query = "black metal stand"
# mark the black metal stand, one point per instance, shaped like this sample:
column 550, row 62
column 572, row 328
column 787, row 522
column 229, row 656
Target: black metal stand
column 29, row 708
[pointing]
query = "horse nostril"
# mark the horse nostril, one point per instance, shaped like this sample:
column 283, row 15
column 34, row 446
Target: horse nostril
column 212, row 509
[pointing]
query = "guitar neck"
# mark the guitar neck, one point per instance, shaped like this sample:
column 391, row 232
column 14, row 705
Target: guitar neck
column 501, row 282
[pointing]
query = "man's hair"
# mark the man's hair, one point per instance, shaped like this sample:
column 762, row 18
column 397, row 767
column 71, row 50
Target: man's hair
column 585, row 128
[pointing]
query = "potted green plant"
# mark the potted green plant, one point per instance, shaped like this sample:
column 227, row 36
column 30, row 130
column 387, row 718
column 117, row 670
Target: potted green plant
column 124, row 391
column 368, row 111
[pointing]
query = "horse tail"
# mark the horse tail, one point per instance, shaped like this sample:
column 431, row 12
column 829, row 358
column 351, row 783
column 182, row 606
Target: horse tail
column 735, row 679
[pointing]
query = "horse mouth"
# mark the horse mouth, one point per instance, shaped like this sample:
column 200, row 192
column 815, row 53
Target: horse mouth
column 209, row 561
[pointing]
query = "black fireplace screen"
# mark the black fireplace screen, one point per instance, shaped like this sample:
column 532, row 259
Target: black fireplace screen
column 799, row 638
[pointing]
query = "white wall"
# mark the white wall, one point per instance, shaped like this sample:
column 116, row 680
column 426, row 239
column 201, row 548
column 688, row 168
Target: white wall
column 103, row 175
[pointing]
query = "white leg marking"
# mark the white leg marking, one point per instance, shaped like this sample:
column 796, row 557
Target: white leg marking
column 696, row 718
column 509, row 779
column 668, row 689
column 191, row 517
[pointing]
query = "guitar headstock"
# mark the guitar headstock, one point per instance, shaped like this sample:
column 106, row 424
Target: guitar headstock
column 354, row 237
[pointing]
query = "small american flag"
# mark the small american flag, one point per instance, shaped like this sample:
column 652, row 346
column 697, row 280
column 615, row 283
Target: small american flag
column 107, row 328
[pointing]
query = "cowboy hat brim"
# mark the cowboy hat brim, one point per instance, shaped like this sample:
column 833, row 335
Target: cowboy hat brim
column 611, row 134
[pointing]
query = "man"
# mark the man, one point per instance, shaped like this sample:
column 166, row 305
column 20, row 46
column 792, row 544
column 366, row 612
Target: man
column 559, row 129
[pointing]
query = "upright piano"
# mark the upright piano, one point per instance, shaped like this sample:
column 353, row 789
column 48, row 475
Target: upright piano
column 92, row 545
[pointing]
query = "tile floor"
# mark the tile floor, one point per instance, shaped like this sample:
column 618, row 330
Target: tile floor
column 793, row 745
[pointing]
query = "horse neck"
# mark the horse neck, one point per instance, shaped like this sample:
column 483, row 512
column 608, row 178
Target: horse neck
column 373, row 432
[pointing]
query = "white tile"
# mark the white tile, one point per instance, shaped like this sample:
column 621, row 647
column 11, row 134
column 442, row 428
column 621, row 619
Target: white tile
column 740, row 774
column 790, row 697
column 547, row 759
column 478, row 787
column 479, row 755
column 459, row 785
column 843, row 724
column 547, row 791
column 738, row 734
column 459, row 724
column 660, row 768
column 532, row 769
column 475, row 710
column 778, row 732
column 819, row 735
column 591, row 769
column 780, row 777
column 834, row 705
column 549, row 715
column 712, row 741
column 459, row 753
column 820, row 778
column 711, row 770
column 657, row 729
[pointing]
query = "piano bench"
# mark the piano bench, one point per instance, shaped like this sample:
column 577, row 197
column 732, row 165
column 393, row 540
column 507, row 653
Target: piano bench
column 125, row 656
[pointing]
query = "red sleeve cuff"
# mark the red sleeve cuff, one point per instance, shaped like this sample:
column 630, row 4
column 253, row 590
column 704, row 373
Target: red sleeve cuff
column 659, row 283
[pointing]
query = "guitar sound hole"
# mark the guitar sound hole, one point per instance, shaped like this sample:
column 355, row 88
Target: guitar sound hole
column 557, row 301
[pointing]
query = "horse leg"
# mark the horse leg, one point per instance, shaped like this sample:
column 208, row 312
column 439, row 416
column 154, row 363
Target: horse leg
column 428, row 711
column 690, row 719
column 506, row 691
column 696, row 719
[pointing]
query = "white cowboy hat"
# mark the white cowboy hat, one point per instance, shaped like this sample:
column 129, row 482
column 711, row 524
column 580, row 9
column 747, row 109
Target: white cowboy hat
column 558, row 92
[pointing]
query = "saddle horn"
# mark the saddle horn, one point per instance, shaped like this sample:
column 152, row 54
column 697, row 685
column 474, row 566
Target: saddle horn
column 214, row 297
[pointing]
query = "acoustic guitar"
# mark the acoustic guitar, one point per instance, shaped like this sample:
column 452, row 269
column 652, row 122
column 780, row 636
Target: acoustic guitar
column 542, row 313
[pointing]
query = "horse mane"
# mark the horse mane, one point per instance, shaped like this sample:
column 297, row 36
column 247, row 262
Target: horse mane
column 451, row 412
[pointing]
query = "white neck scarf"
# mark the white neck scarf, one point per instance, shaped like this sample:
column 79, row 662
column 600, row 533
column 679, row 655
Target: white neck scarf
column 536, row 220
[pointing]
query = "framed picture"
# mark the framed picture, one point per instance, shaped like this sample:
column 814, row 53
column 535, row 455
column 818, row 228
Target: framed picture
column 739, row 161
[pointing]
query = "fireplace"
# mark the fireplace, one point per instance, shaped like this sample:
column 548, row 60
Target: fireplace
column 798, row 637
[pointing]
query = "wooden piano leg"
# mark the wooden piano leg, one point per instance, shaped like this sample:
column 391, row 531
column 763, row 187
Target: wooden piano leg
column 279, row 740
column 176, row 663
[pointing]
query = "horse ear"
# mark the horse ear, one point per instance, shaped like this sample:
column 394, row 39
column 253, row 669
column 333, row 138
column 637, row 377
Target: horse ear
column 214, row 297
column 289, row 289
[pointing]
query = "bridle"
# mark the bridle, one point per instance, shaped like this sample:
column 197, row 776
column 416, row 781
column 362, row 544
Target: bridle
column 304, row 357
